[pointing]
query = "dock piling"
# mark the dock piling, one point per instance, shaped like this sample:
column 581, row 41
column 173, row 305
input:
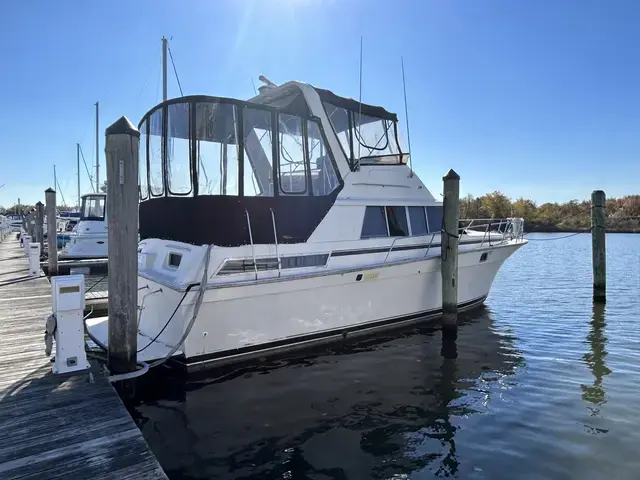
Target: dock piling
column 449, row 255
column 52, row 243
column 598, row 249
column 28, row 226
column 121, row 148
column 39, row 230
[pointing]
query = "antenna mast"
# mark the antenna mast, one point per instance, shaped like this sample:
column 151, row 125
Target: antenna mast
column 360, row 108
column 78, row 167
column 406, row 114
column 164, row 69
column 97, row 150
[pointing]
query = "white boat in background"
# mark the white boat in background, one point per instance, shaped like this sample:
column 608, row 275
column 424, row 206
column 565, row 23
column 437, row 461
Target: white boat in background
column 15, row 220
column 5, row 227
column 294, row 220
column 90, row 237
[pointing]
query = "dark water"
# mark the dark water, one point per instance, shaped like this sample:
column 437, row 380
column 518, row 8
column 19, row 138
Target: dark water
column 540, row 384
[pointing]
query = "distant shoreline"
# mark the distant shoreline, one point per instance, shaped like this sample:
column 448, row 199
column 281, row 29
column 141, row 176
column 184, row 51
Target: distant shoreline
column 555, row 229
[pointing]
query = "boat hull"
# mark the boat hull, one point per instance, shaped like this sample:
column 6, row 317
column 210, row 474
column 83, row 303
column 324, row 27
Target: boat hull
column 85, row 246
column 240, row 321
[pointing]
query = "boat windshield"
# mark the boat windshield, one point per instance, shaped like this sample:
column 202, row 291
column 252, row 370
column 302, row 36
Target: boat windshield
column 371, row 140
column 93, row 207
column 368, row 134
column 208, row 146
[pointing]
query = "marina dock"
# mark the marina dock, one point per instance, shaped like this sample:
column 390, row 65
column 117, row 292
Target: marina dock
column 56, row 426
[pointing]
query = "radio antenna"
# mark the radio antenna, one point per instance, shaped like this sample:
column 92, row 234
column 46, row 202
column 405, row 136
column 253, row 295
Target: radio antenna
column 360, row 108
column 406, row 114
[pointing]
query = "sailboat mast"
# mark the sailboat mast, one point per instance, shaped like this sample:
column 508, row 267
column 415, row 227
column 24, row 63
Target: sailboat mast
column 78, row 162
column 97, row 150
column 164, row 69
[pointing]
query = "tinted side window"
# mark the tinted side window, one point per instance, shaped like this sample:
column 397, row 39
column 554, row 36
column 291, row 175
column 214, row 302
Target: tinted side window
column 397, row 218
column 418, row 221
column 434, row 216
column 375, row 224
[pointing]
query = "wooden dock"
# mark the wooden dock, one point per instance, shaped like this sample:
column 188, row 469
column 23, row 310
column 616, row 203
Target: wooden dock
column 56, row 426
column 92, row 266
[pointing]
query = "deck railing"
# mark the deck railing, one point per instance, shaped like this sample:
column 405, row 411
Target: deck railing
column 492, row 230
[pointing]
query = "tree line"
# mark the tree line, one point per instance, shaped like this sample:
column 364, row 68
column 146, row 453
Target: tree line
column 622, row 214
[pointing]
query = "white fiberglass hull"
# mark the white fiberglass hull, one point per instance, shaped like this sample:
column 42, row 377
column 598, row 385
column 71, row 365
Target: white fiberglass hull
column 248, row 319
column 85, row 246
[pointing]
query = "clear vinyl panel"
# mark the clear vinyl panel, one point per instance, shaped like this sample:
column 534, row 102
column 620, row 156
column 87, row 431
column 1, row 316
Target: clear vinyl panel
column 178, row 149
column 258, row 153
column 156, row 177
column 323, row 173
column 216, row 148
column 292, row 170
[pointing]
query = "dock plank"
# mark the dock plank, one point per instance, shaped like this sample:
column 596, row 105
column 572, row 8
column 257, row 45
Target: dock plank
column 56, row 426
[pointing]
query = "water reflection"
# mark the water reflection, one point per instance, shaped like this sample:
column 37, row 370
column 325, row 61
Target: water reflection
column 375, row 409
column 595, row 394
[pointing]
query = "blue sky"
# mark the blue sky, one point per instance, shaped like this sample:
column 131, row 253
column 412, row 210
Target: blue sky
column 538, row 99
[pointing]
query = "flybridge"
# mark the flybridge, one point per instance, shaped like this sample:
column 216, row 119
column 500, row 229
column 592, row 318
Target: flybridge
column 368, row 134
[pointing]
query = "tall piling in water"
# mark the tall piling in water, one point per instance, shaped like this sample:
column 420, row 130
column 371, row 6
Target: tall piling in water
column 122, row 140
column 52, row 243
column 39, row 228
column 449, row 249
column 598, row 249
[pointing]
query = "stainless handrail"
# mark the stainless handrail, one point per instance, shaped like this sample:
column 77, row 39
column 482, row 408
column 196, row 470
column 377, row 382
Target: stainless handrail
column 253, row 251
column 513, row 229
column 430, row 243
column 390, row 248
column 275, row 239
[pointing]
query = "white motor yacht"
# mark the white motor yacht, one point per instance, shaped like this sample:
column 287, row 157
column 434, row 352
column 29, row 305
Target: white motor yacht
column 15, row 220
column 90, row 236
column 5, row 227
column 295, row 219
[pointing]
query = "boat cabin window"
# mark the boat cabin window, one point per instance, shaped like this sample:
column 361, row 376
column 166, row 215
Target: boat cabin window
column 434, row 218
column 397, row 221
column 93, row 207
column 375, row 223
column 418, row 220
column 394, row 221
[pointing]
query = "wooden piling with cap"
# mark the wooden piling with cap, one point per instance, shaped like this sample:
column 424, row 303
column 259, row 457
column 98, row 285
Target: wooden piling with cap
column 598, row 247
column 121, row 148
column 449, row 251
column 52, row 243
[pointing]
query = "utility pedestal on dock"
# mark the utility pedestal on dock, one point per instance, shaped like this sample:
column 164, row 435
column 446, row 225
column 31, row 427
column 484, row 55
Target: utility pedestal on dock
column 449, row 248
column 122, row 204
column 52, row 240
column 599, row 255
column 39, row 225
